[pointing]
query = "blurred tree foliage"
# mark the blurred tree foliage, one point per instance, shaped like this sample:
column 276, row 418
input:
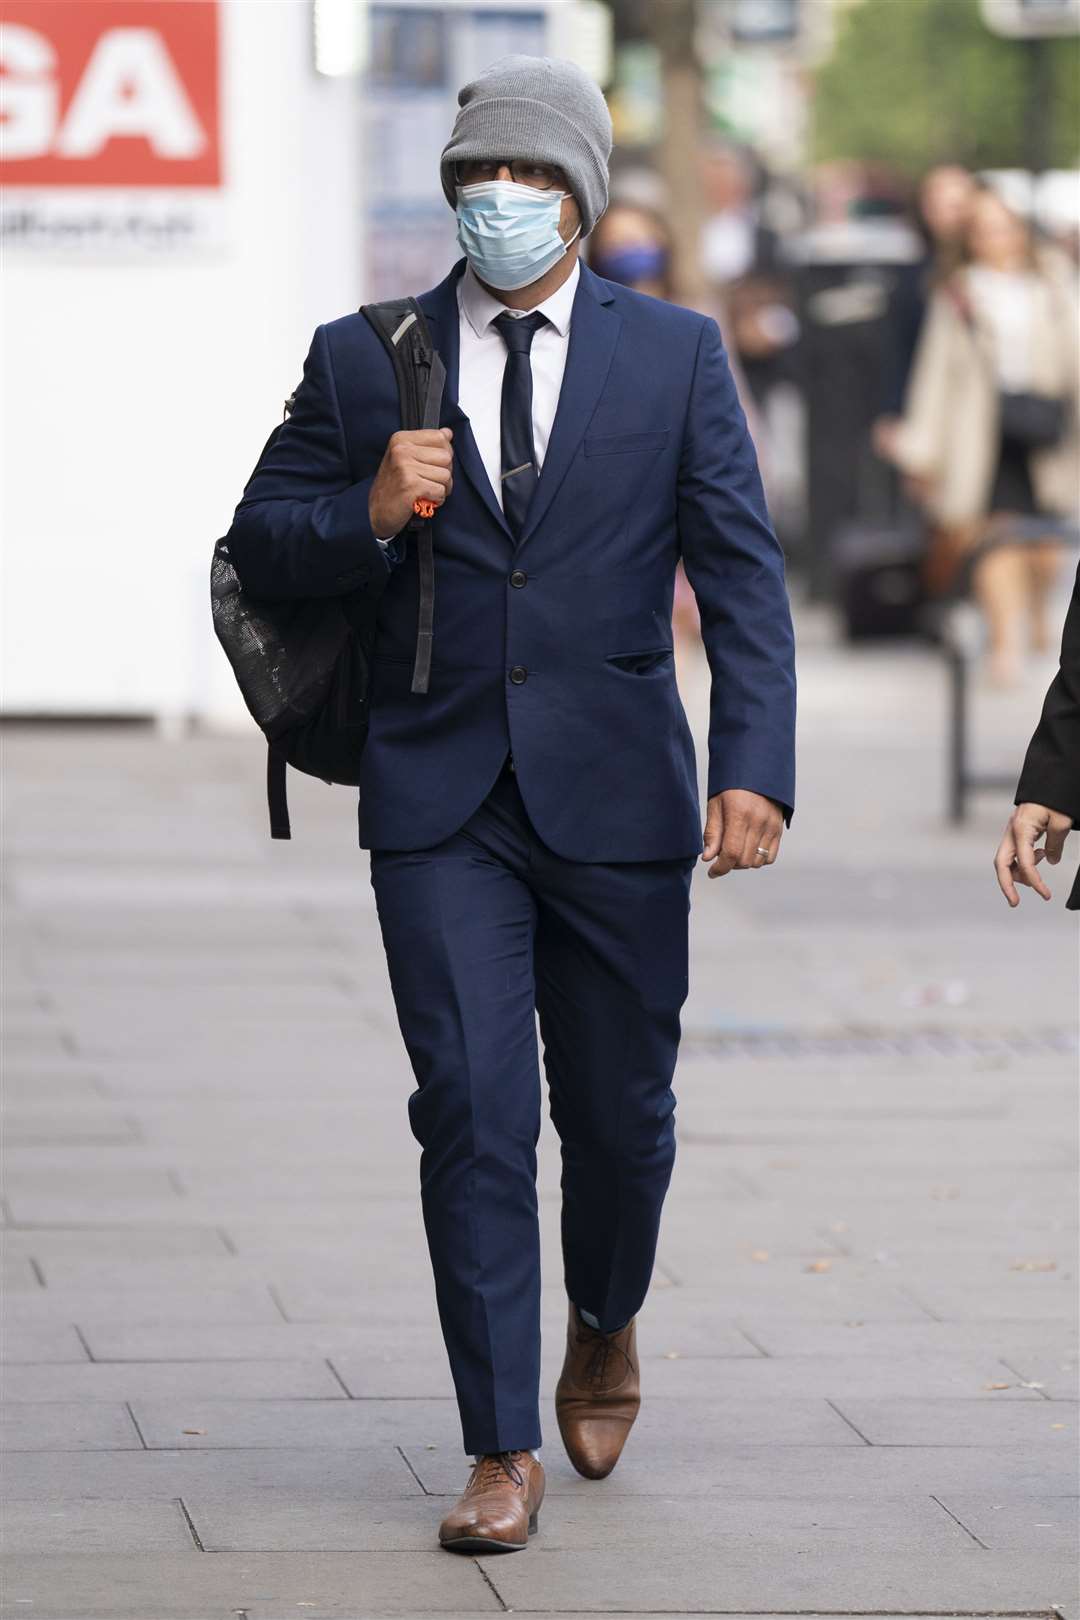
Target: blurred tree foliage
column 916, row 82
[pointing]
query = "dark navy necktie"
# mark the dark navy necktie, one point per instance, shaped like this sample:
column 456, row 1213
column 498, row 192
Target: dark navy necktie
column 519, row 471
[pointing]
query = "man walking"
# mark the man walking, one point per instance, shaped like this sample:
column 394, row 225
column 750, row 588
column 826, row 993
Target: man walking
column 533, row 819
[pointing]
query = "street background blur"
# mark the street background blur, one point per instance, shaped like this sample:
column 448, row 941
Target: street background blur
column 193, row 185
column 224, row 1380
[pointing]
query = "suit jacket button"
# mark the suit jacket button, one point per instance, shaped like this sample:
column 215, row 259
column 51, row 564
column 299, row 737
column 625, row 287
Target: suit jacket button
column 519, row 675
column 518, row 578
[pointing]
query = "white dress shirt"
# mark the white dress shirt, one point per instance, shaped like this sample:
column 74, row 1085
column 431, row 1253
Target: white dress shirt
column 482, row 358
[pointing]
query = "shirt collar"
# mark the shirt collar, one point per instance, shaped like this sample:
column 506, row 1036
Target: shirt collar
column 481, row 307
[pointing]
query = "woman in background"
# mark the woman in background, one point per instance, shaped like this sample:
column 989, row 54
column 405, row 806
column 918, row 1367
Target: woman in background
column 988, row 434
column 631, row 244
column 942, row 216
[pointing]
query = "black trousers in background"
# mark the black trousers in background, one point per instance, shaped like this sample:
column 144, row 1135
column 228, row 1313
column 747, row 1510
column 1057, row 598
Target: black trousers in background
column 481, row 932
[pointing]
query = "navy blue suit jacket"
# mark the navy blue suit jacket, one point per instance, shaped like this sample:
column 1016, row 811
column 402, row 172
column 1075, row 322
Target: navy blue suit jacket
column 649, row 460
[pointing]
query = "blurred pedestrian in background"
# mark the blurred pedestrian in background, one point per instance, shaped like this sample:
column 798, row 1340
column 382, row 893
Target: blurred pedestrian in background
column 942, row 214
column 989, row 432
column 737, row 238
column 632, row 245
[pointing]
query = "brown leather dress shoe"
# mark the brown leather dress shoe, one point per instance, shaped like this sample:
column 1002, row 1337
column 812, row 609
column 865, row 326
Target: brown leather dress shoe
column 497, row 1510
column 598, row 1395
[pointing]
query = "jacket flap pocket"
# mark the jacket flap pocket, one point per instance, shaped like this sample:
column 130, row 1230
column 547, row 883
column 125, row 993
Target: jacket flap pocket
column 614, row 444
column 641, row 663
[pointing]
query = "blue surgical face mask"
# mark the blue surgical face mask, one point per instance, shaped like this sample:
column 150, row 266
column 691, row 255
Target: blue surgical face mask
column 631, row 263
column 510, row 233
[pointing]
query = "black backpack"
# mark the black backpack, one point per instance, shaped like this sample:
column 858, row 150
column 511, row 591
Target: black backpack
column 303, row 665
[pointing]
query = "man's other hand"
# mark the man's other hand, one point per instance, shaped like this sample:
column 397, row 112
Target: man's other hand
column 739, row 827
column 415, row 466
column 1017, row 859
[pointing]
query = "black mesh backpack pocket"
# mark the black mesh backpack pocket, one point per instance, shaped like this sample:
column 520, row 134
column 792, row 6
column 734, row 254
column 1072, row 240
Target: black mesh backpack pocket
column 303, row 670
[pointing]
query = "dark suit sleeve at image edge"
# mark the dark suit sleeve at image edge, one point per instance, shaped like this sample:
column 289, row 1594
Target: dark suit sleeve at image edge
column 735, row 565
column 302, row 525
column 1051, row 773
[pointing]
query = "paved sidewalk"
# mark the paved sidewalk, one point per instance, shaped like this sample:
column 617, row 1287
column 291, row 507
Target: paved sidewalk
column 226, row 1395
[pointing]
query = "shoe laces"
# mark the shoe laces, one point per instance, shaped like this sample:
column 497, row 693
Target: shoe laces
column 603, row 1345
column 494, row 1465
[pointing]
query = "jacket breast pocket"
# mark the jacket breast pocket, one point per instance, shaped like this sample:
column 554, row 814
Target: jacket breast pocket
column 617, row 444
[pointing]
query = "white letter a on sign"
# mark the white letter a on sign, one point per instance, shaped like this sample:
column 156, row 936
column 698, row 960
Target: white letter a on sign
column 131, row 87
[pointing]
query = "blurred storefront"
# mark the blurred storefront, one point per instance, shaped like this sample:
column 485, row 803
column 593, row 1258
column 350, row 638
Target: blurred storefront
column 180, row 213
column 191, row 186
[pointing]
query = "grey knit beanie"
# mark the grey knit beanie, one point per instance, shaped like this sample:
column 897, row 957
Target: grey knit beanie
column 537, row 107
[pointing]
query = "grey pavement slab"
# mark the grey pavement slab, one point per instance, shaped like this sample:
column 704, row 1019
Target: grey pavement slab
column 133, row 1247
column 905, row 1150
column 174, row 1380
column 1058, row 1376
column 67, row 1426
column 200, row 1586
column 362, row 1475
column 275, row 1424
column 252, row 1341
column 1052, row 1523
column 589, row 1520
column 18, row 1275
column 93, row 1525
column 39, row 1342
column 40, row 1126
column 25, row 1172
column 791, row 1573
column 787, row 1177
column 31, row 1088
column 86, row 1306
column 944, row 1422
column 87, row 1208
column 221, row 1274
column 1047, row 1296
column 1004, row 1336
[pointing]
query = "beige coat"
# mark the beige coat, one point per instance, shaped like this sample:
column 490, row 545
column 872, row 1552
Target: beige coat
column 949, row 434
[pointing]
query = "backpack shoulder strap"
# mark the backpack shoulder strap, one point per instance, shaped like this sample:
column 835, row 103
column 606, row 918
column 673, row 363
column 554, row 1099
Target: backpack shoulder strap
column 276, row 793
column 402, row 328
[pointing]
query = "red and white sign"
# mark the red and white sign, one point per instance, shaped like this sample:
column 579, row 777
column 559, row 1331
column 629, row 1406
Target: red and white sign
column 109, row 93
column 110, row 120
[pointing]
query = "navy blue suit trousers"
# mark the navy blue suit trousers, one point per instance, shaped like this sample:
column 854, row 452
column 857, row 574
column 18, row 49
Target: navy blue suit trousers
column 482, row 931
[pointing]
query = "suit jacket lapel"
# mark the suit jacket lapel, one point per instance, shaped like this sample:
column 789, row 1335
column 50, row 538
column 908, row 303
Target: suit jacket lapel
column 440, row 305
column 594, row 332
